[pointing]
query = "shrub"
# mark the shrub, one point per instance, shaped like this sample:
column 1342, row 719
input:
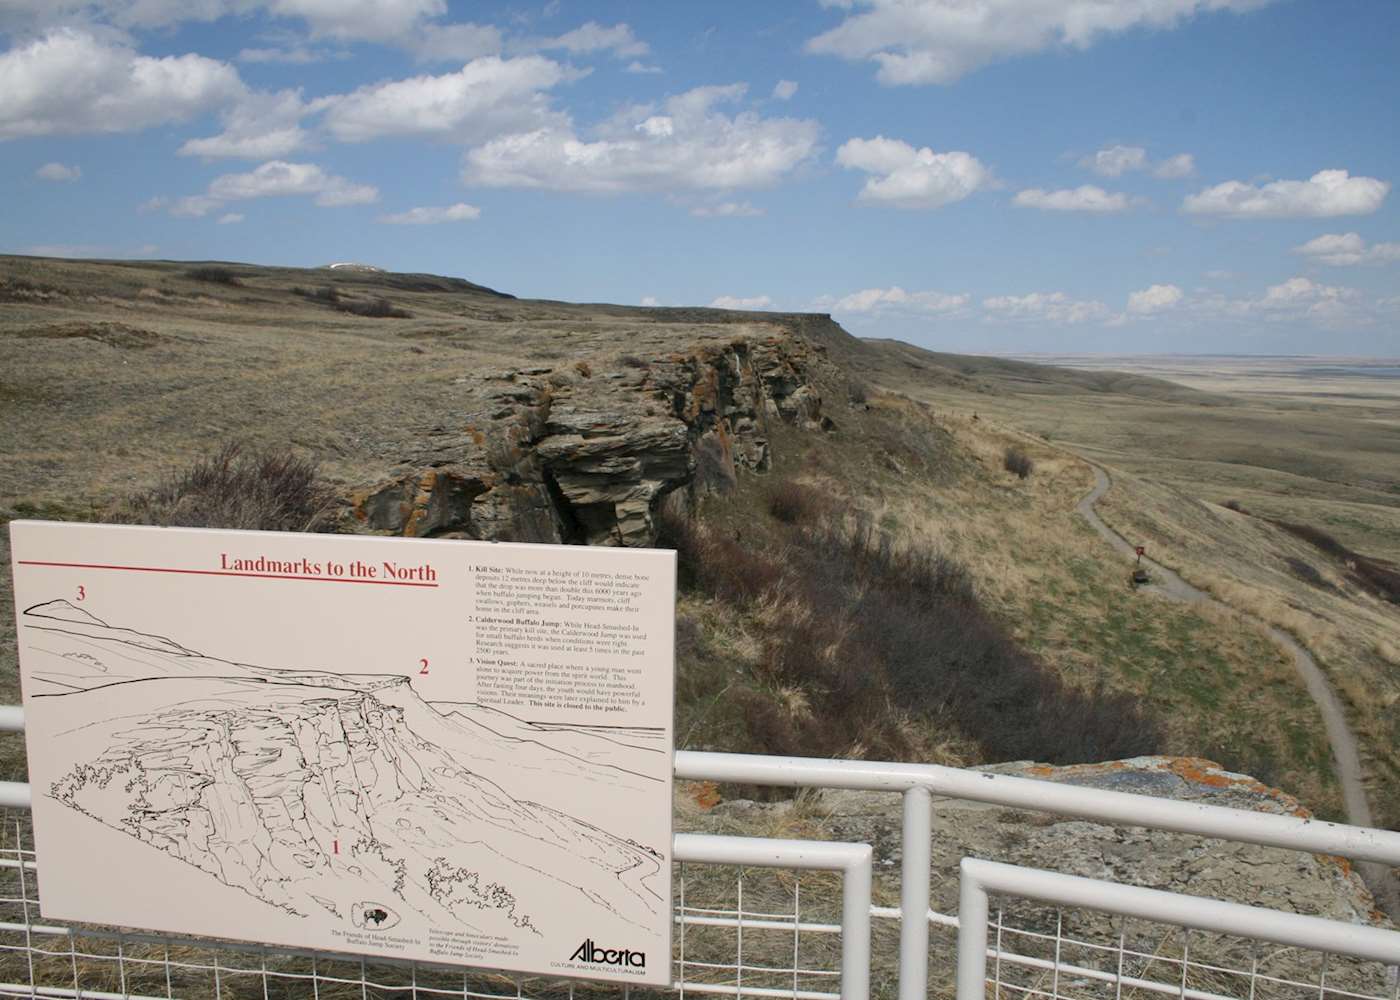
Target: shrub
column 871, row 633
column 325, row 293
column 857, row 392
column 792, row 503
column 1236, row 506
column 1307, row 572
column 237, row 488
column 214, row 275
column 376, row 308
column 1017, row 461
column 1377, row 577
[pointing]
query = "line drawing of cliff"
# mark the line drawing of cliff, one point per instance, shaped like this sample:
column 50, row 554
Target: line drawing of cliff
column 344, row 796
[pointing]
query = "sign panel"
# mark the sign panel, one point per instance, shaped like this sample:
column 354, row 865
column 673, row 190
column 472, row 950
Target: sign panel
column 436, row 750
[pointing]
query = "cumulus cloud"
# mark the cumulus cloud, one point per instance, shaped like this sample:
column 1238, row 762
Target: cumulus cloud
column 1154, row 299
column 637, row 66
column 1085, row 198
column 1047, row 307
column 71, row 82
column 1326, row 193
column 1347, row 249
column 913, row 178
column 939, row 41
column 650, row 301
column 274, row 179
column 1115, row 161
column 1180, row 165
column 894, row 298
column 456, row 42
column 58, row 172
column 685, row 144
column 426, row 216
column 752, row 302
column 783, row 90
column 1297, row 300
column 372, row 20
column 485, row 98
column 727, row 210
column 229, row 218
column 617, row 40
column 260, row 126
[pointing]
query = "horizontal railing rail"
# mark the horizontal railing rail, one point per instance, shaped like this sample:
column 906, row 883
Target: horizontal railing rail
column 918, row 784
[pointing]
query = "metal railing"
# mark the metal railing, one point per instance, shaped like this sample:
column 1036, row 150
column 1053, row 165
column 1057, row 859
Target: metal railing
column 918, row 785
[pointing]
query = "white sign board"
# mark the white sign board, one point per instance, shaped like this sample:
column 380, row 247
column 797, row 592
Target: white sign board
column 436, row 750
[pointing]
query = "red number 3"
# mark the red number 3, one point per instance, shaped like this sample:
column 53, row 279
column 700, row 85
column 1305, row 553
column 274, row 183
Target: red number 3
column 82, row 593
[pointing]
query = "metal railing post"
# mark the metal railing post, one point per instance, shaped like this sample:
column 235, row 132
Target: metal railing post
column 972, row 937
column 916, row 865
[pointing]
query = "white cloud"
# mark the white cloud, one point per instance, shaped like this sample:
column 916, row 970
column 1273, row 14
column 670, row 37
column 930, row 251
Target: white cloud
column 650, row 301
column 426, row 216
column 877, row 300
column 938, row 41
column 635, row 66
column 229, row 218
column 1115, row 161
column 1326, row 193
column 913, row 178
column 1154, row 299
column 617, row 40
column 270, row 180
column 58, row 172
column 688, row 145
column 1085, row 198
column 726, row 209
column 1048, row 307
column 261, row 126
column 731, row 302
column 456, row 42
column 297, row 55
column 372, row 20
column 485, row 98
column 278, row 178
column 1297, row 300
column 71, row 82
column 784, row 89
column 1180, row 165
column 1346, row 249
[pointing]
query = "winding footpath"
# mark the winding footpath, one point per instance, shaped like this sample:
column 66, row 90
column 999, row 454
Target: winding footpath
column 1339, row 736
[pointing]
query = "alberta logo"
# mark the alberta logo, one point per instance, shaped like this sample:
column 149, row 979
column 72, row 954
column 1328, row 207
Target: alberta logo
column 590, row 952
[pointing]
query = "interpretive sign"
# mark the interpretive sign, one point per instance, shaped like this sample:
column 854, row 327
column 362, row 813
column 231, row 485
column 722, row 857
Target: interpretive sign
column 435, row 750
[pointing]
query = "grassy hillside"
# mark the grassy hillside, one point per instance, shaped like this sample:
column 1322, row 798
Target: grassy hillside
column 887, row 589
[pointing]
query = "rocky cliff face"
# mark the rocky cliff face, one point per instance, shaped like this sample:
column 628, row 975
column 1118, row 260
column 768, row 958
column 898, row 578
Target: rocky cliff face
column 584, row 452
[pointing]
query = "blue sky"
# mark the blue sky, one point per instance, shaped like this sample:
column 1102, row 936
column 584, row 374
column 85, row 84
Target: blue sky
column 973, row 175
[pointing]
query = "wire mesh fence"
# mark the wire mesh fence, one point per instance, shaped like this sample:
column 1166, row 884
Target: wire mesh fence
column 738, row 932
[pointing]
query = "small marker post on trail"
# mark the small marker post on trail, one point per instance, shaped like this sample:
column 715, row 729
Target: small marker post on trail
column 1141, row 550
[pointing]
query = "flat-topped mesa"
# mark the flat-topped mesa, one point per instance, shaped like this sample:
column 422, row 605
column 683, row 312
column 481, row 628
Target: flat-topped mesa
column 578, row 453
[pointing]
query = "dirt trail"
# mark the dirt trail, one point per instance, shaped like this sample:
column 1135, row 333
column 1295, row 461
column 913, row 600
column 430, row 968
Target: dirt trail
column 1339, row 736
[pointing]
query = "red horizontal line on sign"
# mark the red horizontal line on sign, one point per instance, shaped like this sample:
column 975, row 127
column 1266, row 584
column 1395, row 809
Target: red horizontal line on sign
column 224, row 572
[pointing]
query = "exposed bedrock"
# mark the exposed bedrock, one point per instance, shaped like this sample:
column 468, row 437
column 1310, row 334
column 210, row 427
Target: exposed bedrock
column 577, row 453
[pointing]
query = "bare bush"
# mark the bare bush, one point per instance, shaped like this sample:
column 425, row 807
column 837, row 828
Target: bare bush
column 237, row 488
column 215, row 275
column 1016, row 461
column 793, row 503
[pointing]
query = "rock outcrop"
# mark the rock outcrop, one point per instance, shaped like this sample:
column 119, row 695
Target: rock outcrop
column 583, row 453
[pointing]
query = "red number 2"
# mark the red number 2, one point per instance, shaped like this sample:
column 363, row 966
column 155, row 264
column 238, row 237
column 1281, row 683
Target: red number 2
column 425, row 666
